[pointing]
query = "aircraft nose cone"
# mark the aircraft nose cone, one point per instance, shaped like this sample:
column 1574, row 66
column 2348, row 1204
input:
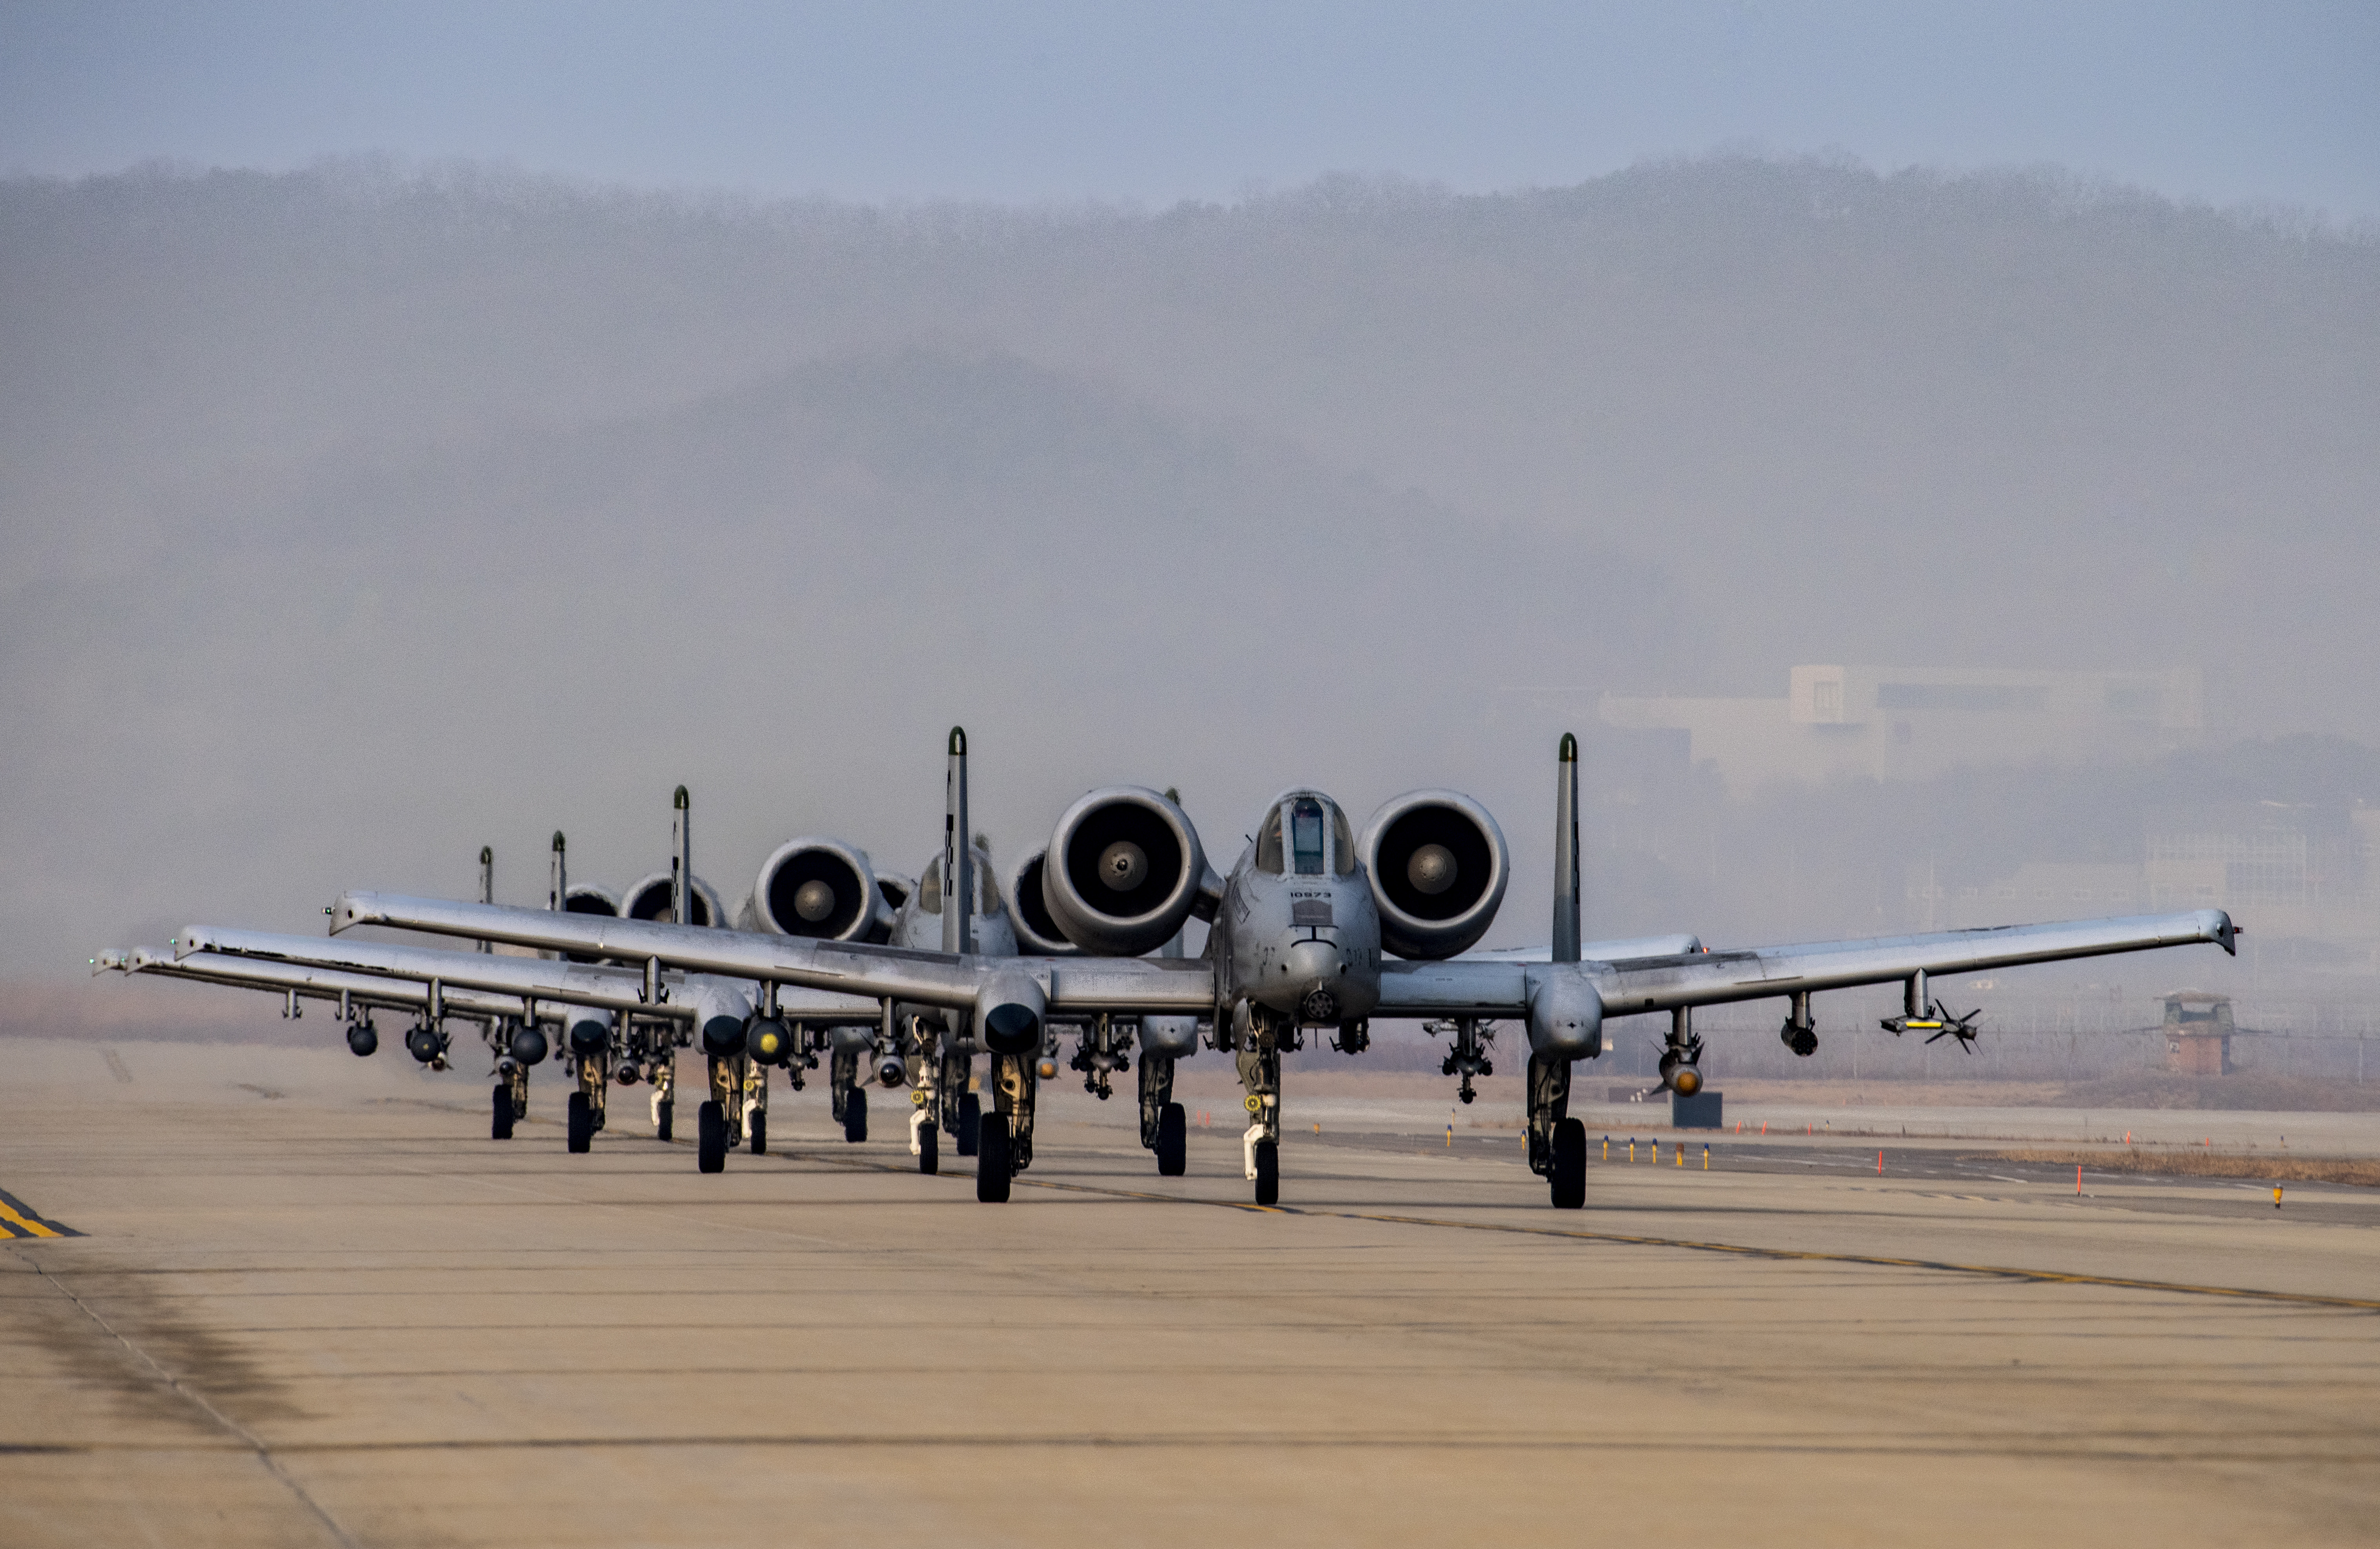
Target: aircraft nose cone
column 1431, row 870
column 813, row 901
column 1312, row 960
column 1124, row 865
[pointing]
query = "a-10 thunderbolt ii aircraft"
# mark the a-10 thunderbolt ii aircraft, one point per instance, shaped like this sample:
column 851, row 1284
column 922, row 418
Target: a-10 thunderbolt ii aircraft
column 813, row 888
column 1302, row 934
column 611, row 1024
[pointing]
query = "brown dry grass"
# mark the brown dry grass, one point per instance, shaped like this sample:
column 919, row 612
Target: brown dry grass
column 2182, row 1161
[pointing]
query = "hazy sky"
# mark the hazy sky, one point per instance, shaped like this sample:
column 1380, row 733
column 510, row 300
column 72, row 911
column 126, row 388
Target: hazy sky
column 1159, row 102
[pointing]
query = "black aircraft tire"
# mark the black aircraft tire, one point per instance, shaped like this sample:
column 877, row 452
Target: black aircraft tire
column 970, row 1133
column 501, row 1127
column 1268, row 1172
column 1173, row 1141
column 854, row 1116
column 1568, row 1174
column 991, row 1176
column 929, row 1148
column 582, row 1123
column 710, row 1138
column 664, row 1119
column 760, row 1134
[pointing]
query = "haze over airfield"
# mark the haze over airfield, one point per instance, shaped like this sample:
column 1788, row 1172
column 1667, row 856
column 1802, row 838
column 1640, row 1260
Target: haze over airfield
column 740, row 400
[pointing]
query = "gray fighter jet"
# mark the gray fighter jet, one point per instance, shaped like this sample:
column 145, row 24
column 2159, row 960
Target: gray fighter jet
column 1313, row 932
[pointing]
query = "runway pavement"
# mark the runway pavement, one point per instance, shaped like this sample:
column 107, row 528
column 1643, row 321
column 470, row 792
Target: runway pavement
column 312, row 1304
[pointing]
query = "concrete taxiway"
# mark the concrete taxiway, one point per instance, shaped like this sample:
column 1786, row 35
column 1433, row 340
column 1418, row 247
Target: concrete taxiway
column 314, row 1304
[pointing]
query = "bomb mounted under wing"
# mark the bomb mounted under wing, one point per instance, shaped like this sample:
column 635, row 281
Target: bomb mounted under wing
column 1301, row 930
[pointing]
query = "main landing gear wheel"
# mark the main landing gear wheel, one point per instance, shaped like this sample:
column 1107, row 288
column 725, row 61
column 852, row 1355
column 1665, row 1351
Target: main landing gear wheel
column 854, row 1116
column 1268, row 1172
column 992, row 1175
column 760, row 1134
column 970, row 1133
column 710, row 1138
column 582, row 1123
column 1568, row 1174
column 664, row 1116
column 929, row 1145
column 502, row 1126
column 1172, row 1141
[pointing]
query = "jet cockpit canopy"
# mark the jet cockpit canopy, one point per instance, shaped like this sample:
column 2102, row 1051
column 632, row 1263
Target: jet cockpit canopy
column 1305, row 835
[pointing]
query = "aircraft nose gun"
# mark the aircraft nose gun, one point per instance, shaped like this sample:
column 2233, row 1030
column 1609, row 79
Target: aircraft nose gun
column 1317, row 964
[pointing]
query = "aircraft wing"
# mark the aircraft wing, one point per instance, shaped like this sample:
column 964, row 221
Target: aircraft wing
column 1710, row 978
column 1498, row 984
column 1069, row 984
column 513, row 978
column 1594, row 952
column 310, row 983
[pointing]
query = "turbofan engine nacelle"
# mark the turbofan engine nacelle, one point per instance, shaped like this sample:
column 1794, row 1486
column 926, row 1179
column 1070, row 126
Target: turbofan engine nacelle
column 819, row 889
column 589, row 898
column 1123, row 871
column 1037, row 930
column 1438, row 866
column 650, row 899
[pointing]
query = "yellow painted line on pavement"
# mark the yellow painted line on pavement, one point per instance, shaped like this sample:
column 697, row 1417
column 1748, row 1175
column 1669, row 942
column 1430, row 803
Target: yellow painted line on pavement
column 18, row 1219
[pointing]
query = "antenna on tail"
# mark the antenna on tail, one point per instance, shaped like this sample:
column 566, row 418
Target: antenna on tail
column 1565, row 932
column 682, row 859
column 958, row 855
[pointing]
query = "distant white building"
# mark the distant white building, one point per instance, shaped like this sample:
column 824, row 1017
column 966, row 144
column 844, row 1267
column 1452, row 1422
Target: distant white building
column 1910, row 722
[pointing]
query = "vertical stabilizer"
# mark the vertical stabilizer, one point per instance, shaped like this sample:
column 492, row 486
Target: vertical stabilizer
column 1565, row 932
column 487, row 885
column 681, row 861
column 958, row 855
column 557, row 881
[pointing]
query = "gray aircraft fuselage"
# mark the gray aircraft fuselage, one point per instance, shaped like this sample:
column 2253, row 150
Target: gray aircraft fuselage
column 1297, row 931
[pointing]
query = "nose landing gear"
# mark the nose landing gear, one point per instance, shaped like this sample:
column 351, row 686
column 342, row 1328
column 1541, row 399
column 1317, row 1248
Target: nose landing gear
column 1260, row 1044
